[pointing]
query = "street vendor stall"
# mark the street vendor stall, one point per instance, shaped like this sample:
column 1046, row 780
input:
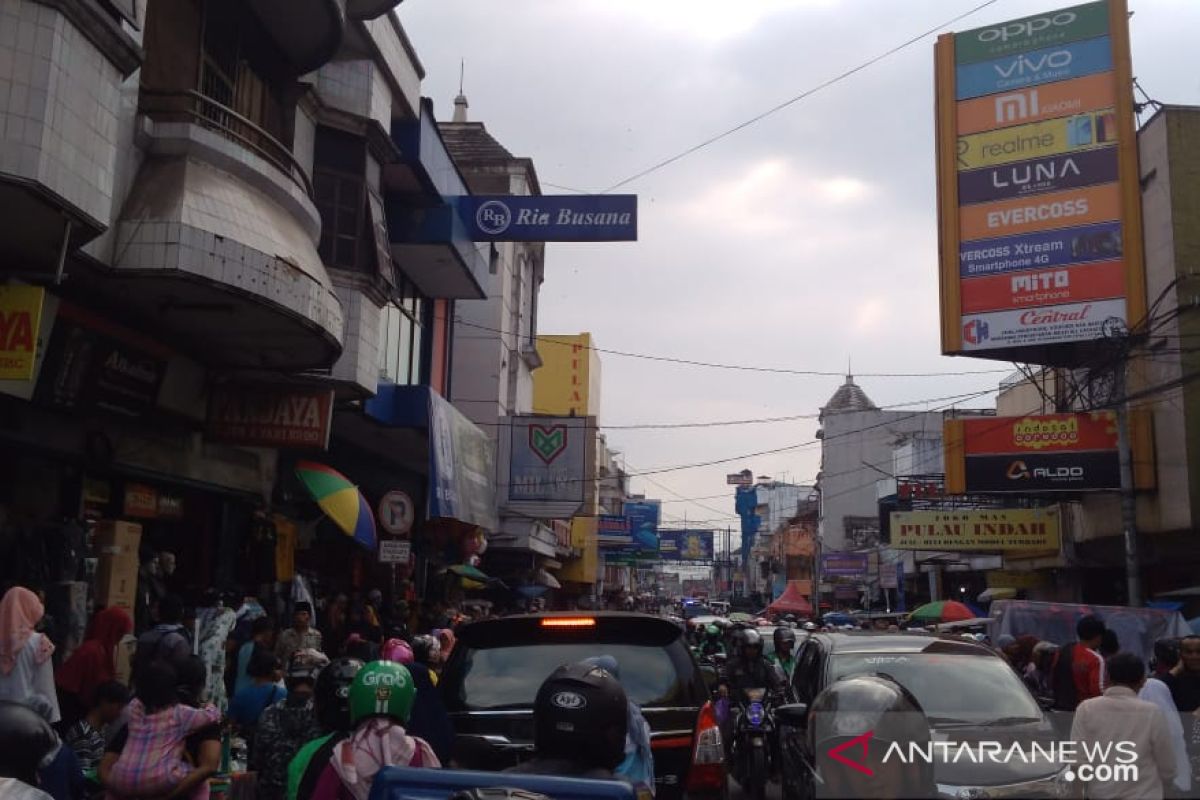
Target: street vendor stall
column 1137, row 629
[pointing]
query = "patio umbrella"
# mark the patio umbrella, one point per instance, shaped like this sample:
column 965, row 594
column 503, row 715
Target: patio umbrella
column 468, row 572
column 1194, row 624
column 997, row 593
column 943, row 611
column 341, row 501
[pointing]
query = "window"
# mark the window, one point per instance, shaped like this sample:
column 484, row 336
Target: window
column 402, row 337
column 339, row 186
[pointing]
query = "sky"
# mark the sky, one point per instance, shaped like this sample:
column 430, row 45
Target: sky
column 806, row 241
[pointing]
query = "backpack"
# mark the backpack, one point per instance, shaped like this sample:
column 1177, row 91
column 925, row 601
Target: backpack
column 1062, row 680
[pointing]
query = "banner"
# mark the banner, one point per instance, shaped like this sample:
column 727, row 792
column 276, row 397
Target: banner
column 550, row 218
column 20, row 323
column 1037, row 169
column 686, row 545
column 976, row 530
column 546, row 462
column 613, row 531
column 643, row 517
column 262, row 417
column 844, row 565
column 462, row 467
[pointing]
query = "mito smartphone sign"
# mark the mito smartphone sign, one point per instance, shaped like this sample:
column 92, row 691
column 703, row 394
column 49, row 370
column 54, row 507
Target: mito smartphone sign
column 1037, row 182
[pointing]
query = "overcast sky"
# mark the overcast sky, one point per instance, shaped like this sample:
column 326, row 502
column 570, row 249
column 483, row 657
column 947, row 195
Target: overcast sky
column 803, row 241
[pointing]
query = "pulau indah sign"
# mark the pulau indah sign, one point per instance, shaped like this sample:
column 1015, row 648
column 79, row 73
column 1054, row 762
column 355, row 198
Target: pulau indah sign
column 550, row 218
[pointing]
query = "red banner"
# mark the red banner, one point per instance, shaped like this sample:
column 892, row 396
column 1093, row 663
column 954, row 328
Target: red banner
column 298, row 418
column 1044, row 287
column 1045, row 433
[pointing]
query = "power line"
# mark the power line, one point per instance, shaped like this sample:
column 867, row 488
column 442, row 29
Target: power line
column 736, row 367
column 807, row 93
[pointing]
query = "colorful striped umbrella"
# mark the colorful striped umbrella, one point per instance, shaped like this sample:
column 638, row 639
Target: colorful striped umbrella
column 943, row 611
column 341, row 501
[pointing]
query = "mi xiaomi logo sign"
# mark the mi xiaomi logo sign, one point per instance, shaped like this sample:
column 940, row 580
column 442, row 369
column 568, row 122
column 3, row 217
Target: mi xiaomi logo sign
column 1016, row 107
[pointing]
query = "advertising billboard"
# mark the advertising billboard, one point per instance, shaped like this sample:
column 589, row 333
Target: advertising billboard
column 550, row 218
column 1036, row 453
column 546, row 464
column 643, row 517
column 568, row 382
column 612, row 531
column 844, row 565
column 1037, row 181
column 976, row 529
column 686, row 545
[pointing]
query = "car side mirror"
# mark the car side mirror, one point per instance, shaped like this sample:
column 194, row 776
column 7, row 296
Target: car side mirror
column 709, row 673
column 793, row 714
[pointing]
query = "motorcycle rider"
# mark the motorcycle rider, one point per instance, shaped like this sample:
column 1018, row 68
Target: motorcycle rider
column 332, row 700
column 785, row 647
column 749, row 669
column 712, row 644
column 580, row 721
column 859, row 718
column 26, row 739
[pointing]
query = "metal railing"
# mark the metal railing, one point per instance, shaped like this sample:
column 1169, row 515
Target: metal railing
column 173, row 105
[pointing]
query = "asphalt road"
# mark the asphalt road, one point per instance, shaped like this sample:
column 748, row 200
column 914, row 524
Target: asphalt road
column 774, row 791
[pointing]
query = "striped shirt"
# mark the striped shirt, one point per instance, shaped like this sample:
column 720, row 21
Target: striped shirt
column 87, row 743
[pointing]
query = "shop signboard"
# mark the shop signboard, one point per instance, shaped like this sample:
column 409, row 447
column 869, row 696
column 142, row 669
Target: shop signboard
column 396, row 512
column 976, row 529
column 743, row 478
column 265, row 417
column 23, row 387
column 612, row 531
column 141, row 501
column 644, row 516
column 395, row 551
column 1014, row 579
column 550, row 218
column 686, row 545
column 547, row 462
column 1032, row 454
column 20, row 322
column 852, row 566
column 1037, row 181
column 462, row 466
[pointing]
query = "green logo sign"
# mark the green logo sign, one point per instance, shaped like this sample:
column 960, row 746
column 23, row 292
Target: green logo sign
column 548, row 443
column 1051, row 29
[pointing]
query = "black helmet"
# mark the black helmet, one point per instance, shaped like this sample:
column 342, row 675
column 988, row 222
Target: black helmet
column 332, row 693
column 751, row 640
column 25, row 740
column 857, row 719
column 580, row 714
column 784, row 636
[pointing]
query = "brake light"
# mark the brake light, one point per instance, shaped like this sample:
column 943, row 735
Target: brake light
column 569, row 622
column 707, row 772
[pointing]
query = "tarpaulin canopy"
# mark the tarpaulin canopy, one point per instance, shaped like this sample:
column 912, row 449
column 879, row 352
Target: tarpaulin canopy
column 1137, row 629
column 791, row 601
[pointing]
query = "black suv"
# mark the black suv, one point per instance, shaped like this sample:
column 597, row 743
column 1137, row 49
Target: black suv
column 497, row 666
column 968, row 693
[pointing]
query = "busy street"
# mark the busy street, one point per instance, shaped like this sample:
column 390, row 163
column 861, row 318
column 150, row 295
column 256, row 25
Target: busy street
column 599, row 400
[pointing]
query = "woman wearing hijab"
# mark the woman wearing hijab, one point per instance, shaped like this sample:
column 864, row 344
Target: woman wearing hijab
column 25, row 667
column 92, row 664
column 215, row 622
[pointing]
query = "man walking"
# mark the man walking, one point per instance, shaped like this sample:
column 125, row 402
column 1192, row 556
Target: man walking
column 1078, row 671
column 1118, row 716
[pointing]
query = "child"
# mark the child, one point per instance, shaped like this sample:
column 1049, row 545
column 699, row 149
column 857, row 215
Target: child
column 152, row 761
column 86, row 737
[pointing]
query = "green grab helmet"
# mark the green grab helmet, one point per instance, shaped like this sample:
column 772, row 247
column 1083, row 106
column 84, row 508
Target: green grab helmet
column 382, row 689
column 713, row 631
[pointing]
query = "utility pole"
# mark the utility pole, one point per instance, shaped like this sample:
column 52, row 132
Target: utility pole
column 1118, row 332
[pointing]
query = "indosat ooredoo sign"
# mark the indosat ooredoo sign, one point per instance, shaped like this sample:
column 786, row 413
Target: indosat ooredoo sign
column 1038, row 198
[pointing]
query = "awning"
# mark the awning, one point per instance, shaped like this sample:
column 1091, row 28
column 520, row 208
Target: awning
column 546, row 579
column 997, row 593
column 791, row 601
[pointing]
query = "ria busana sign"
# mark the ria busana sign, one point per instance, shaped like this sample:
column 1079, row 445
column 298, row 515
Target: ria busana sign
column 550, row 218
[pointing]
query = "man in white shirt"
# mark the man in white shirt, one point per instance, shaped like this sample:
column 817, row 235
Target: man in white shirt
column 1119, row 716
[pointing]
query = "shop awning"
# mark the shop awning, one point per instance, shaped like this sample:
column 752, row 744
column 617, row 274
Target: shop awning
column 462, row 458
column 791, row 601
column 546, row 579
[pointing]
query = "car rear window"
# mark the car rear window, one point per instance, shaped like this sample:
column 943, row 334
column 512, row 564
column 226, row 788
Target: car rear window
column 509, row 677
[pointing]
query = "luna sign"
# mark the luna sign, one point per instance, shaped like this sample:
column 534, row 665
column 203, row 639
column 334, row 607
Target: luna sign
column 550, row 218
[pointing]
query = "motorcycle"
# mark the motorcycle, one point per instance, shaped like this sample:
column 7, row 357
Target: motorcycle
column 753, row 746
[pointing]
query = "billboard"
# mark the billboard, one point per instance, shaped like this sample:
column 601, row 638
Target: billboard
column 612, row 531
column 686, row 545
column 20, row 323
column 844, row 565
column 550, row 218
column 1038, row 453
column 568, row 382
column 976, row 529
column 1037, row 182
column 643, row 517
column 546, row 462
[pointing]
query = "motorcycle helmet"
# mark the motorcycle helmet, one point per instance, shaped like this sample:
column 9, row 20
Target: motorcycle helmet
column 397, row 650
column 853, row 723
column 25, row 741
column 712, row 632
column 426, row 648
column 382, row 689
column 332, row 696
column 580, row 714
column 304, row 666
column 784, row 636
column 810, row 626
column 752, row 644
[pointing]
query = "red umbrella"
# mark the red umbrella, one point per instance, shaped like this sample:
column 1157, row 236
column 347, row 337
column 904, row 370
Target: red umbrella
column 943, row 611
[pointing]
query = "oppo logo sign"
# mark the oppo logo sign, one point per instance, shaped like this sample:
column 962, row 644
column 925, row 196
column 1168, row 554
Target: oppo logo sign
column 1023, row 29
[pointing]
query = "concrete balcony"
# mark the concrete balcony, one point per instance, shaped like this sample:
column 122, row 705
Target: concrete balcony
column 61, row 68
column 217, row 242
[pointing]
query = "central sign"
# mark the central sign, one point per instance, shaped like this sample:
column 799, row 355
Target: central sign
column 547, row 464
column 550, row 218
column 976, row 529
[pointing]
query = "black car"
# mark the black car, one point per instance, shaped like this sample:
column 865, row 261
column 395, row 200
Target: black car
column 497, row 666
column 967, row 692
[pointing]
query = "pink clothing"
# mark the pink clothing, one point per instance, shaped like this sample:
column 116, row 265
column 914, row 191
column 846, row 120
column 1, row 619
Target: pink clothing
column 375, row 744
column 152, row 760
column 20, row 611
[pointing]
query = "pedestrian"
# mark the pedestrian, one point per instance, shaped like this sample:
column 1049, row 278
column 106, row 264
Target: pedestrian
column 301, row 636
column 1078, row 671
column 335, row 630
column 59, row 773
column 430, row 719
column 1166, row 656
column 152, row 760
column 1120, row 716
column 264, row 691
column 1110, row 645
column 1037, row 671
column 25, row 667
column 25, row 741
column 92, row 664
column 1184, row 677
column 1155, row 691
column 262, row 639
column 167, row 641
column 86, row 736
column 287, row 725
column 446, row 641
column 215, row 623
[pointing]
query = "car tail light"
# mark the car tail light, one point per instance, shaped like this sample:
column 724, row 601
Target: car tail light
column 569, row 622
column 707, row 772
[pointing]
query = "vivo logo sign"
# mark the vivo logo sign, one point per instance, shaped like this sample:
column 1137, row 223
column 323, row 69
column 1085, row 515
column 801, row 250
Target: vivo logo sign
column 1025, row 65
column 1041, row 281
column 1023, row 29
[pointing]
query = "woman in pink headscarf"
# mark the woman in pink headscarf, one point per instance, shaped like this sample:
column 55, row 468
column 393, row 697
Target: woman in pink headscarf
column 25, row 667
